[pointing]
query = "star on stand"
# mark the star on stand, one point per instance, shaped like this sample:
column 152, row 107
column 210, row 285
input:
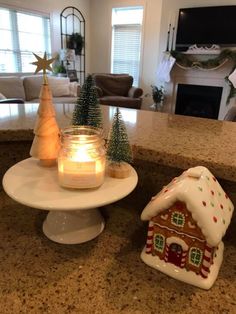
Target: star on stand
column 43, row 64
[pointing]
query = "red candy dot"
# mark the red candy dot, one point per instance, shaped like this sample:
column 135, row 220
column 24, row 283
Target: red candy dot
column 215, row 219
column 166, row 190
column 221, row 206
column 212, row 192
column 204, row 203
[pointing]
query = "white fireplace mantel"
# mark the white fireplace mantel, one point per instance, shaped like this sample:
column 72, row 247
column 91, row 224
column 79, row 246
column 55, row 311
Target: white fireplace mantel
column 196, row 76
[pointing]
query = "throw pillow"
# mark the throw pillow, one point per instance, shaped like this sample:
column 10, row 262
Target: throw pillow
column 32, row 86
column 60, row 90
column 2, row 96
column 73, row 89
column 12, row 87
column 59, row 86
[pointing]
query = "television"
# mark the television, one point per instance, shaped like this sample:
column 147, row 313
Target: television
column 206, row 26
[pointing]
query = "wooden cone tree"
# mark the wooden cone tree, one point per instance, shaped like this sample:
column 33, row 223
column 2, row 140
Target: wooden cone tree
column 46, row 143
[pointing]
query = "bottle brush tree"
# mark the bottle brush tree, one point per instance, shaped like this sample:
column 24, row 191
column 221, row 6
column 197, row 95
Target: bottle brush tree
column 118, row 149
column 87, row 110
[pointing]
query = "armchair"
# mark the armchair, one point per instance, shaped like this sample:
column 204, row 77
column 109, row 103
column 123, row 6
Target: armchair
column 117, row 90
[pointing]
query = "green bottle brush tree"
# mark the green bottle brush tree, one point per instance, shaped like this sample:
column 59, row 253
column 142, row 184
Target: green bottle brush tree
column 87, row 110
column 119, row 152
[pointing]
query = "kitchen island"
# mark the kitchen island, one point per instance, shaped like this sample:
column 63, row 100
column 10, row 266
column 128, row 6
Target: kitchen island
column 103, row 276
column 106, row 275
column 166, row 139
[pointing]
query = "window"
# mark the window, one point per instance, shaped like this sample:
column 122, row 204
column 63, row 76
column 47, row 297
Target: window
column 22, row 33
column 178, row 219
column 126, row 41
column 159, row 242
column 195, row 256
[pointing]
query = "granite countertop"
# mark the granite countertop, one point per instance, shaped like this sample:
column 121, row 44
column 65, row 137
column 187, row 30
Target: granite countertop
column 106, row 275
column 166, row 139
column 103, row 276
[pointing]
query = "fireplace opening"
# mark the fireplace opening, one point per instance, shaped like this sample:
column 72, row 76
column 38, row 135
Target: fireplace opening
column 198, row 101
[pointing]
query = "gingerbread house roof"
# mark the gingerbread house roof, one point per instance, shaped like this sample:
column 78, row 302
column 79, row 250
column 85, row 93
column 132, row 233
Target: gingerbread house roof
column 203, row 196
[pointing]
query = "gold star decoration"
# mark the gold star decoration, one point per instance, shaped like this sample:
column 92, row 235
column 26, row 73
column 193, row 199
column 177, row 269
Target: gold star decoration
column 43, row 63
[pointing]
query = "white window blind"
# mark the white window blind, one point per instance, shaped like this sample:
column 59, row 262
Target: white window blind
column 21, row 34
column 126, row 42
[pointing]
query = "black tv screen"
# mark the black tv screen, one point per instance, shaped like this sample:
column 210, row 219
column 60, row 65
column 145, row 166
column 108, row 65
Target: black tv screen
column 206, row 26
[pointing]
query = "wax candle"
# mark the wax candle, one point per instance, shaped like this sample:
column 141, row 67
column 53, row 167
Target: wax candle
column 81, row 161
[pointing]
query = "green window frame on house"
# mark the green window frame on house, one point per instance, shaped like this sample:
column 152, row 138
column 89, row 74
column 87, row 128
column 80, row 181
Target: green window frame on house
column 177, row 219
column 195, row 256
column 159, row 242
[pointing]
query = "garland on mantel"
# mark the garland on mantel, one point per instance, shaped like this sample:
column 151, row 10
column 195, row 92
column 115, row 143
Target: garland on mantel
column 185, row 60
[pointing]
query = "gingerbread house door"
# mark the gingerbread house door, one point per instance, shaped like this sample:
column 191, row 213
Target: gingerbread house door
column 175, row 254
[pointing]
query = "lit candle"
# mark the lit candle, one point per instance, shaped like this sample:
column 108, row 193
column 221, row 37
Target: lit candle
column 81, row 161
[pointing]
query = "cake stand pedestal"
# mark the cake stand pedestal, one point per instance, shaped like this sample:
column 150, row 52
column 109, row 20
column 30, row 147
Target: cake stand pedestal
column 73, row 216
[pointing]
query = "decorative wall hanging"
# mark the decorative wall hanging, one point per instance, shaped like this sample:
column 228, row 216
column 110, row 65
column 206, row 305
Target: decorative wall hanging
column 73, row 37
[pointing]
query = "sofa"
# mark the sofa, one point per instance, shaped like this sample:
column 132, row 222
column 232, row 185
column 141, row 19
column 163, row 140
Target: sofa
column 27, row 88
column 117, row 90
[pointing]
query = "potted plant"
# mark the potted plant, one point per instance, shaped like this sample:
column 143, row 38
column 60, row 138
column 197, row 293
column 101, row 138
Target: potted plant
column 158, row 97
column 59, row 69
column 76, row 42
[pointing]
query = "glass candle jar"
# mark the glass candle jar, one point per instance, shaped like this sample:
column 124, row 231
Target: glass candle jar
column 81, row 160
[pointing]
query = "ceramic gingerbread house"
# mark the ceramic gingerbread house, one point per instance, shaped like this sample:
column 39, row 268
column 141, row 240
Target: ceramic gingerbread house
column 187, row 221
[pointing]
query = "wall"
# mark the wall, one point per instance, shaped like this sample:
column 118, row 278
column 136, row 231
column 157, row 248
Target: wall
column 54, row 8
column 97, row 13
column 101, row 38
column 170, row 11
column 157, row 16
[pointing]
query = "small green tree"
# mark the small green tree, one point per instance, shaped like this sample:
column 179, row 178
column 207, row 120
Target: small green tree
column 87, row 110
column 118, row 148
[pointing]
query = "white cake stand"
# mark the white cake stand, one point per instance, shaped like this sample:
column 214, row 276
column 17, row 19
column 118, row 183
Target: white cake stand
column 73, row 217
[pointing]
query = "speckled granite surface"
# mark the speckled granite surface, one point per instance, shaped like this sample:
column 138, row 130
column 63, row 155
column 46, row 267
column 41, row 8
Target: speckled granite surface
column 166, row 139
column 104, row 275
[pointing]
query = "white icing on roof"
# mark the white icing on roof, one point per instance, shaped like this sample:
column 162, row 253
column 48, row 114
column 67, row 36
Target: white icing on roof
column 209, row 205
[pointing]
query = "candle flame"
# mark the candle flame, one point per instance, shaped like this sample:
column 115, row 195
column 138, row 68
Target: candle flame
column 82, row 155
